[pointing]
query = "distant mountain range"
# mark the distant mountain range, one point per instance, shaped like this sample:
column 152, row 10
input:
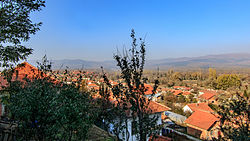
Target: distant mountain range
column 239, row 60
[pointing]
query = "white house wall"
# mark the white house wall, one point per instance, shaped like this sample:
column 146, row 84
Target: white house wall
column 187, row 109
column 133, row 137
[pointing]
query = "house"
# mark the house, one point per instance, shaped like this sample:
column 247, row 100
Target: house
column 204, row 125
column 208, row 96
column 177, row 118
column 149, row 92
column 93, row 86
column 156, row 111
column 90, row 82
column 182, row 88
column 186, row 93
column 113, row 83
column 177, row 92
column 197, row 106
column 25, row 70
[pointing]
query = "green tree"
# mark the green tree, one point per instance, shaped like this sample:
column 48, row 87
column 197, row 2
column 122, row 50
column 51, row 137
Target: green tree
column 234, row 119
column 177, row 76
column 212, row 76
column 212, row 73
column 169, row 99
column 111, row 111
column 15, row 28
column 49, row 110
column 192, row 98
column 226, row 81
column 132, row 96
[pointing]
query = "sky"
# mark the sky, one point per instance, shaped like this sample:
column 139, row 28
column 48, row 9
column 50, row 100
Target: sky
column 95, row 29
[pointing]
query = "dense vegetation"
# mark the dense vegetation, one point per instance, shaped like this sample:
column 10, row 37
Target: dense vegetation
column 235, row 118
column 48, row 110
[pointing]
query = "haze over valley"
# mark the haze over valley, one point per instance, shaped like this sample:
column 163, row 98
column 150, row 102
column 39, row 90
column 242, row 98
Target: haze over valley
column 233, row 60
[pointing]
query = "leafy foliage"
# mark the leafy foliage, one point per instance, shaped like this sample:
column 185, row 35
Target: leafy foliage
column 50, row 110
column 15, row 28
column 130, row 98
column 110, row 112
column 225, row 81
column 212, row 73
column 235, row 118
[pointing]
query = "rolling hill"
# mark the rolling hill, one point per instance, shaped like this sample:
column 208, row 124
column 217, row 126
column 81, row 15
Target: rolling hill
column 239, row 60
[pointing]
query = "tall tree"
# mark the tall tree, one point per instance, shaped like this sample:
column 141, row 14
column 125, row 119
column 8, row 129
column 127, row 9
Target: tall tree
column 132, row 95
column 15, row 28
column 212, row 73
column 212, row 77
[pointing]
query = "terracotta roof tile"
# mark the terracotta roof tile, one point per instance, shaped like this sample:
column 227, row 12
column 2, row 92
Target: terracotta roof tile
column 92, row 85
column 201, row 119
column 157, row 107
column 177, row 92
column 149, row 89
column 208, row 95
column 25, row 70
column 113, row 82
column 186, row 93
column 199, row 106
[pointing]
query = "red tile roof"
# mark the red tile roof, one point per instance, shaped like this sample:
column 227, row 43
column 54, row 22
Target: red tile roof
column 186, row 93
column 157, row 107
column 21, row 71
column 90, row 81
column 149, row 89
column 201, row 119
column 92, row 85
column 199, row 106
column 208, row 95
column 25, row 70
column 113, row 82
column 153, row 107
column 177, row 92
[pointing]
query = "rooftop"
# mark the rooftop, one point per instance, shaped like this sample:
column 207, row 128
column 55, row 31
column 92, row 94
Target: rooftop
column 202, row 119
column 199, row 106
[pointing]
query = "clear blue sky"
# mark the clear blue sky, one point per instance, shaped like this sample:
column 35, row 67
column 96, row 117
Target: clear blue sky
column 93, row 29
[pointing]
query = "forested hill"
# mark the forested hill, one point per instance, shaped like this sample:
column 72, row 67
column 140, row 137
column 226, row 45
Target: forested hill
column 240, row 60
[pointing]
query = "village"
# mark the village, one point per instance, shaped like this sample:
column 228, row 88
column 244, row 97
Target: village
column 196, row 118
column 109, row 70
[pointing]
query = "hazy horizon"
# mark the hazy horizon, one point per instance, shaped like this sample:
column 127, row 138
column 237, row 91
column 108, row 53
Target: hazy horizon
column 94, row 29
column 112, row 59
